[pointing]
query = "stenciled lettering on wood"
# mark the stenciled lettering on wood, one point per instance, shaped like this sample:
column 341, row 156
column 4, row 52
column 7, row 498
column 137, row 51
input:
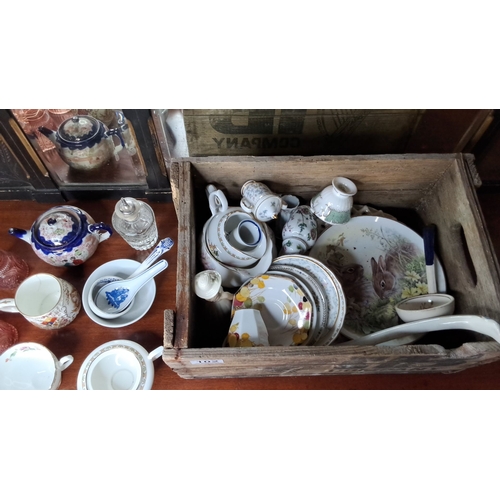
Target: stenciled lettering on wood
column 297, row 131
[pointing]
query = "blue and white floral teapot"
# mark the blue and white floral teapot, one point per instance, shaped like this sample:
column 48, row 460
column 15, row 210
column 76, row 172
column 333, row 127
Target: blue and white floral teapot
column 64, row 236
column 84, row 142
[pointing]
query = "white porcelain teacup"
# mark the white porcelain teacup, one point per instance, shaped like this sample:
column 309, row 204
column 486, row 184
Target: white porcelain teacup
column 247, row 329
column 118, row 365
column 45, row 301
column 31, row 366
column 259, row 200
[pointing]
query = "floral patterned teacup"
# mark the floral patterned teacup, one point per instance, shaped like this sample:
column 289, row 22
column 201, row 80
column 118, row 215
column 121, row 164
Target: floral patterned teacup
column 31, row 366
column 45, row 301
column 259, row 200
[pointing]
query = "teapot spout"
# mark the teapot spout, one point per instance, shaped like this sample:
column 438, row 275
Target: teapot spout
column 50, row 134
column 22, row 234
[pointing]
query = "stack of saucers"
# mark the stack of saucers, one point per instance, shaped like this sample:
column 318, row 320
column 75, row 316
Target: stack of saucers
column 300, row 300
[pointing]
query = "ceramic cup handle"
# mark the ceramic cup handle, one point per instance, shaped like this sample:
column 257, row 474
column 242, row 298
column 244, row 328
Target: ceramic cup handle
column 65, row 361
column 118, row 133
column 246, row 205
column 103, row 231
column 8, row 305
column 155, row 353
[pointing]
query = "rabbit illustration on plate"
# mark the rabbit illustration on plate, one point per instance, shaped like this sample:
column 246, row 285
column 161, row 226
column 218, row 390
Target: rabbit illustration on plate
column 388, row 270
column 358, row 289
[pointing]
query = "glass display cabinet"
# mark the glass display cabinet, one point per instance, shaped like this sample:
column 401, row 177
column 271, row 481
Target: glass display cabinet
column 50, row 154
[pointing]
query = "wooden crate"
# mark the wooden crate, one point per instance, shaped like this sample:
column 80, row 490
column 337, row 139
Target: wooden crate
column 418, row 189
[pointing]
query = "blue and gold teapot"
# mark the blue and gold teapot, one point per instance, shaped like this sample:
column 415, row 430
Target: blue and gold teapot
column 84, row 142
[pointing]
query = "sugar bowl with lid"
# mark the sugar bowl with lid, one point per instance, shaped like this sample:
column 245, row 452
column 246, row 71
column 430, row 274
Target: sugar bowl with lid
column 64, row 236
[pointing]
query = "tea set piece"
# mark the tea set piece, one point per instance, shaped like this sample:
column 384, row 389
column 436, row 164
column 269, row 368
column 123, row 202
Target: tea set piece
column 285, row 307
column 118, row 365
column 425, row 306
column 379, row 262
column 64, row 236
column 223, row 227
column 290, row 202
column 217, row 253
column 161, row 248
column 31, row 366
column 208, row 286
column 260, row 201
column 121, row 268
column 318, row 316
column 112, row 298
column 331, row 289
column 247, row 329
column 333, row 204
column 478, row 324
column 84, row 142
column 300, row 232
column 135, row 221
column 46, row 301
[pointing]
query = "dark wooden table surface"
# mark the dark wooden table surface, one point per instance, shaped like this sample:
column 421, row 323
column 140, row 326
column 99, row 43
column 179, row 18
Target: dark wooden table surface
column 82, row 336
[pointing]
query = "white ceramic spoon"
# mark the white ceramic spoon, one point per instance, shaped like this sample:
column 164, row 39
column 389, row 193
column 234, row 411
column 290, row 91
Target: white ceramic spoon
column 163, row 246
column 478, row 324
column 117, row 295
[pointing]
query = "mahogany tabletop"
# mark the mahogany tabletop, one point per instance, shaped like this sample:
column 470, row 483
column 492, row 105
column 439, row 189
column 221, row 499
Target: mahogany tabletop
column 82, row 336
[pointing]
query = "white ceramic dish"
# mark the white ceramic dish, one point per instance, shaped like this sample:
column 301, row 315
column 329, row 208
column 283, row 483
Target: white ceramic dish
column 380, row 262
column 308, row 282
column 143, row 300
column 425, row 307
column 118, row 365
column 285, row 308
column 31, row 366
column 331, row 288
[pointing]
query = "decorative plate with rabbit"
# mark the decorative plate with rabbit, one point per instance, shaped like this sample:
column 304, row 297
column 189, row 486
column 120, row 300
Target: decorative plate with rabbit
column 379, row 262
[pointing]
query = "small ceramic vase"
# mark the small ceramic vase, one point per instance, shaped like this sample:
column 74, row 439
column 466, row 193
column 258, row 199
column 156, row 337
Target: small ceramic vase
column 300, row 232
column 334, row 203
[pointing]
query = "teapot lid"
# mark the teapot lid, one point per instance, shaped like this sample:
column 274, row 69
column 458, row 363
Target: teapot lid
column 57, row 228
column 79, row 129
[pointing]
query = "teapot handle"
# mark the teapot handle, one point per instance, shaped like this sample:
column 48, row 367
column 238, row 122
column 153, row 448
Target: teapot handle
column 217, row 201
column 97, row 228
column 117, row 132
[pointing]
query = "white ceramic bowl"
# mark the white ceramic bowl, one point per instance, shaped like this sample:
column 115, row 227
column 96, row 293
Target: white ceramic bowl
column 425, row 306
column 143, row 300
column 118, row 365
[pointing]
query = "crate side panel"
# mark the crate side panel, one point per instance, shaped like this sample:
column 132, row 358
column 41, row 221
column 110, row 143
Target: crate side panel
column 391, row 180
column 463, row 243
column 310, row 361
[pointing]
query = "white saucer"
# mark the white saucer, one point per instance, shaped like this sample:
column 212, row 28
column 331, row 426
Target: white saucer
column 118, row 365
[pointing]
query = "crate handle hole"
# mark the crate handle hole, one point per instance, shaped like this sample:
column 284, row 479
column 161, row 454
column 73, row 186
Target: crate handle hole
column 468, row 259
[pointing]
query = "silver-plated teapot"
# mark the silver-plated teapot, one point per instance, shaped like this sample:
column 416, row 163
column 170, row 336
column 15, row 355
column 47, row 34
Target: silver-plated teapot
column 84, row 142
column 64, row 236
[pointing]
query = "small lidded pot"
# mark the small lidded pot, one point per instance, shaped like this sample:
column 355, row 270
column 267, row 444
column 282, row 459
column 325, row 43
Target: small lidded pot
column 84, row 142
column 64, row 236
